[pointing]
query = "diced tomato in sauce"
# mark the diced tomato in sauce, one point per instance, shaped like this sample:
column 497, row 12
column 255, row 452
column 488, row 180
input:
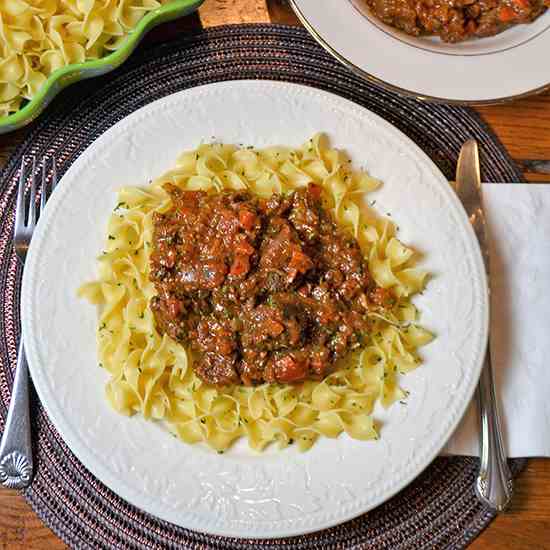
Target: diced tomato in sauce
column 262, row 290
column 506, row 14
column 456, row 20
column 247, row 218
column 287, row 369
column 300, row 262
column 315, row 190
column 240, row 265
column 244, row 248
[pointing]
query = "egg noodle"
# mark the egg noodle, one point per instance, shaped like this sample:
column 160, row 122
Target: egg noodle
column 153, row 375
column 38, row 37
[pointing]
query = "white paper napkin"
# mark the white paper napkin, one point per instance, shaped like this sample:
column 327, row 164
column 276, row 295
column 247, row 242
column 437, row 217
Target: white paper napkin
column 518, row 217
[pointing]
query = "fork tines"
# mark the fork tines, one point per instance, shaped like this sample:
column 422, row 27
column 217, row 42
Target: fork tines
column 49, row 171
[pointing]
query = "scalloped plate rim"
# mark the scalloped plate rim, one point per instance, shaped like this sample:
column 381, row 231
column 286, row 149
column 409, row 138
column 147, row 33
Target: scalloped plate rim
column 29, row 289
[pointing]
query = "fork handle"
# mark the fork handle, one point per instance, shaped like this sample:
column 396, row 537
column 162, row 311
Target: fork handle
column 494, row 484
column 16, row 466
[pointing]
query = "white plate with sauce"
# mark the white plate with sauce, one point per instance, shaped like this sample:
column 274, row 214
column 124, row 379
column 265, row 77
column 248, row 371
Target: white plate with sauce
column 507, row 66
column 242, row 493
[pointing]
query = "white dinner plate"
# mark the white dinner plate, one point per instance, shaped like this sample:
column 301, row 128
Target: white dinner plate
column 242, row 493
column 509, row 65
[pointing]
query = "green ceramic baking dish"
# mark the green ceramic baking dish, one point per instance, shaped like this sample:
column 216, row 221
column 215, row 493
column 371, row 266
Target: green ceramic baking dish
column 79, row 71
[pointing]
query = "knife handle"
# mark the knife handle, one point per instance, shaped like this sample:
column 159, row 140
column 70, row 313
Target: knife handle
column 494, row 484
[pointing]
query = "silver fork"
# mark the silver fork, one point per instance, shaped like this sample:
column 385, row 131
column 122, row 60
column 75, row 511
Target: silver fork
column 16, row 466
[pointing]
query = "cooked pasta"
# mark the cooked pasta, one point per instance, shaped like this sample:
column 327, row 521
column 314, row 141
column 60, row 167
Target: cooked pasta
column 153, row 375
column 38, row 37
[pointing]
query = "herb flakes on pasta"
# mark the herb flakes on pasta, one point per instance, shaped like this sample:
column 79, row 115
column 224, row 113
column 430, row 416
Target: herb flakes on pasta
column 152, row 374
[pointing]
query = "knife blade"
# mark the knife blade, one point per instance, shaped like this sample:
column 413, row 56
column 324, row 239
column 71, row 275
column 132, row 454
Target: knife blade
column 494, row 484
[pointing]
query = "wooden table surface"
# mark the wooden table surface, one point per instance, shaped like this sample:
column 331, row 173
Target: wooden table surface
column 524, row 128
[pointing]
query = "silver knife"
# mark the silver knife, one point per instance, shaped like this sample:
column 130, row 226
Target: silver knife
column 494, row 484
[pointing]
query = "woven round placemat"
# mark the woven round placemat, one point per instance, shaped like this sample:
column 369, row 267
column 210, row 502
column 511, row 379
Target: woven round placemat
column 438, row 510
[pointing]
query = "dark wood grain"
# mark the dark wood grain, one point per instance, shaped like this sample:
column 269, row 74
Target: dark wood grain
column 524, row 128
column 20, row 528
